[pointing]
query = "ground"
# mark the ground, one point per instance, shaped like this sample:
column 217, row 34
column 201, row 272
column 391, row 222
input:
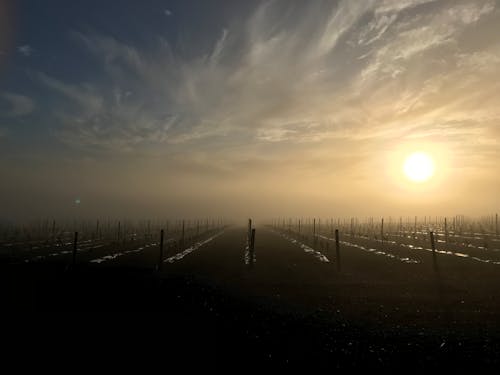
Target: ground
column 286, row 309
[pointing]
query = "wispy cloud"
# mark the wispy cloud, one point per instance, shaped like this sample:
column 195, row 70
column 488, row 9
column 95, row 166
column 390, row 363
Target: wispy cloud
column 17, row 105
column 25, row 50
column 296, row 74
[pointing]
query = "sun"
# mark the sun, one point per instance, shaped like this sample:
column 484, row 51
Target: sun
column 419, row 167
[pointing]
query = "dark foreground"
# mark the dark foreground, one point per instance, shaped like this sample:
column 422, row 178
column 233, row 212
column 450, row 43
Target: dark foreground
column 288, row 309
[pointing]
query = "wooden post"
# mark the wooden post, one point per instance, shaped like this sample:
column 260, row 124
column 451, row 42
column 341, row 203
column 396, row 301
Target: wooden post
column 496, row 224
column 249, row 231
column 433, row 245
column 182, row 239
column 160, row 262
column 119, row 223
column 337, row 248
column 97, row 230
column 252, row 247
column 382, row 230
column 299, row 226
column 75, row 244
column 314, row 228
column 445, row 229
column 53, row 231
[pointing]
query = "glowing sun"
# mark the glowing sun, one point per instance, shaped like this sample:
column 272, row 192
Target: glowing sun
column 419, row 167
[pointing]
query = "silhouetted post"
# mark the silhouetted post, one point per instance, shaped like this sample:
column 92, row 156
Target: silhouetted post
column 182, row 238
column 75, row 244
column 252, row 247
column 496, row 224
column 197, row 228
column 249, row 231
column 382, row 230
column 97, row 230
column 299, row 227
column 160, row 262
column 445, row 229
column 415, row 233
column 433, row 246
column 337, row 248
column 119, row 224
column 53, row 231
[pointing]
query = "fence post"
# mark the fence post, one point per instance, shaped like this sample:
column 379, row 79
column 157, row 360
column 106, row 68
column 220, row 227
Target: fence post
column 160, row 263
column 53, row 231
column 337, row 248
column 433, row 245
column 252, row 247
column 182, row 240
column 75, row 244
column 249, row 235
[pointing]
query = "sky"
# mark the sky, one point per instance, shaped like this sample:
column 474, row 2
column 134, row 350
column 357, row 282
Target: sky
column 248, row 108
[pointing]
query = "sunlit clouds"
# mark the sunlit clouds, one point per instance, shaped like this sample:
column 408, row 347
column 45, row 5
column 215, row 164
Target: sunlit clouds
column 297, row 99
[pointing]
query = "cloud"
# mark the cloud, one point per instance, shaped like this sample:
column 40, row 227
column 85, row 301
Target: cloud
column 25, row 50
column 17, row 105
column 300, row 74
column 167, row 12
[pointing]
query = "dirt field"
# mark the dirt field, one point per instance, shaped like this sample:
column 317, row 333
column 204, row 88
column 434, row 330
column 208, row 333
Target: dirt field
column 288, row 307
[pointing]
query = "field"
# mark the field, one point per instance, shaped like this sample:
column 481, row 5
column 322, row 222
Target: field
column 384, row 298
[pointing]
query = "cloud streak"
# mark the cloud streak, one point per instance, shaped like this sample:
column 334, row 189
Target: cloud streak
column 17, row 105
column 298, row 74
column 25, row 50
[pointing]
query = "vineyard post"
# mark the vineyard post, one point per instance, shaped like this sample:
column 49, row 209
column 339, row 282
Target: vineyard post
column 53, row 231
column 382, row 230
column 446, row 229
column 160, row 262
column 433, row 245
column 496, row 224
column 337, row 248
column 182, row 238
column 249, row 231
column 75, row 244
column 252, row 247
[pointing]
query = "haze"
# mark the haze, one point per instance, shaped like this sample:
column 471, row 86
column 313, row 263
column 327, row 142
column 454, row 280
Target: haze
column 258, row 108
